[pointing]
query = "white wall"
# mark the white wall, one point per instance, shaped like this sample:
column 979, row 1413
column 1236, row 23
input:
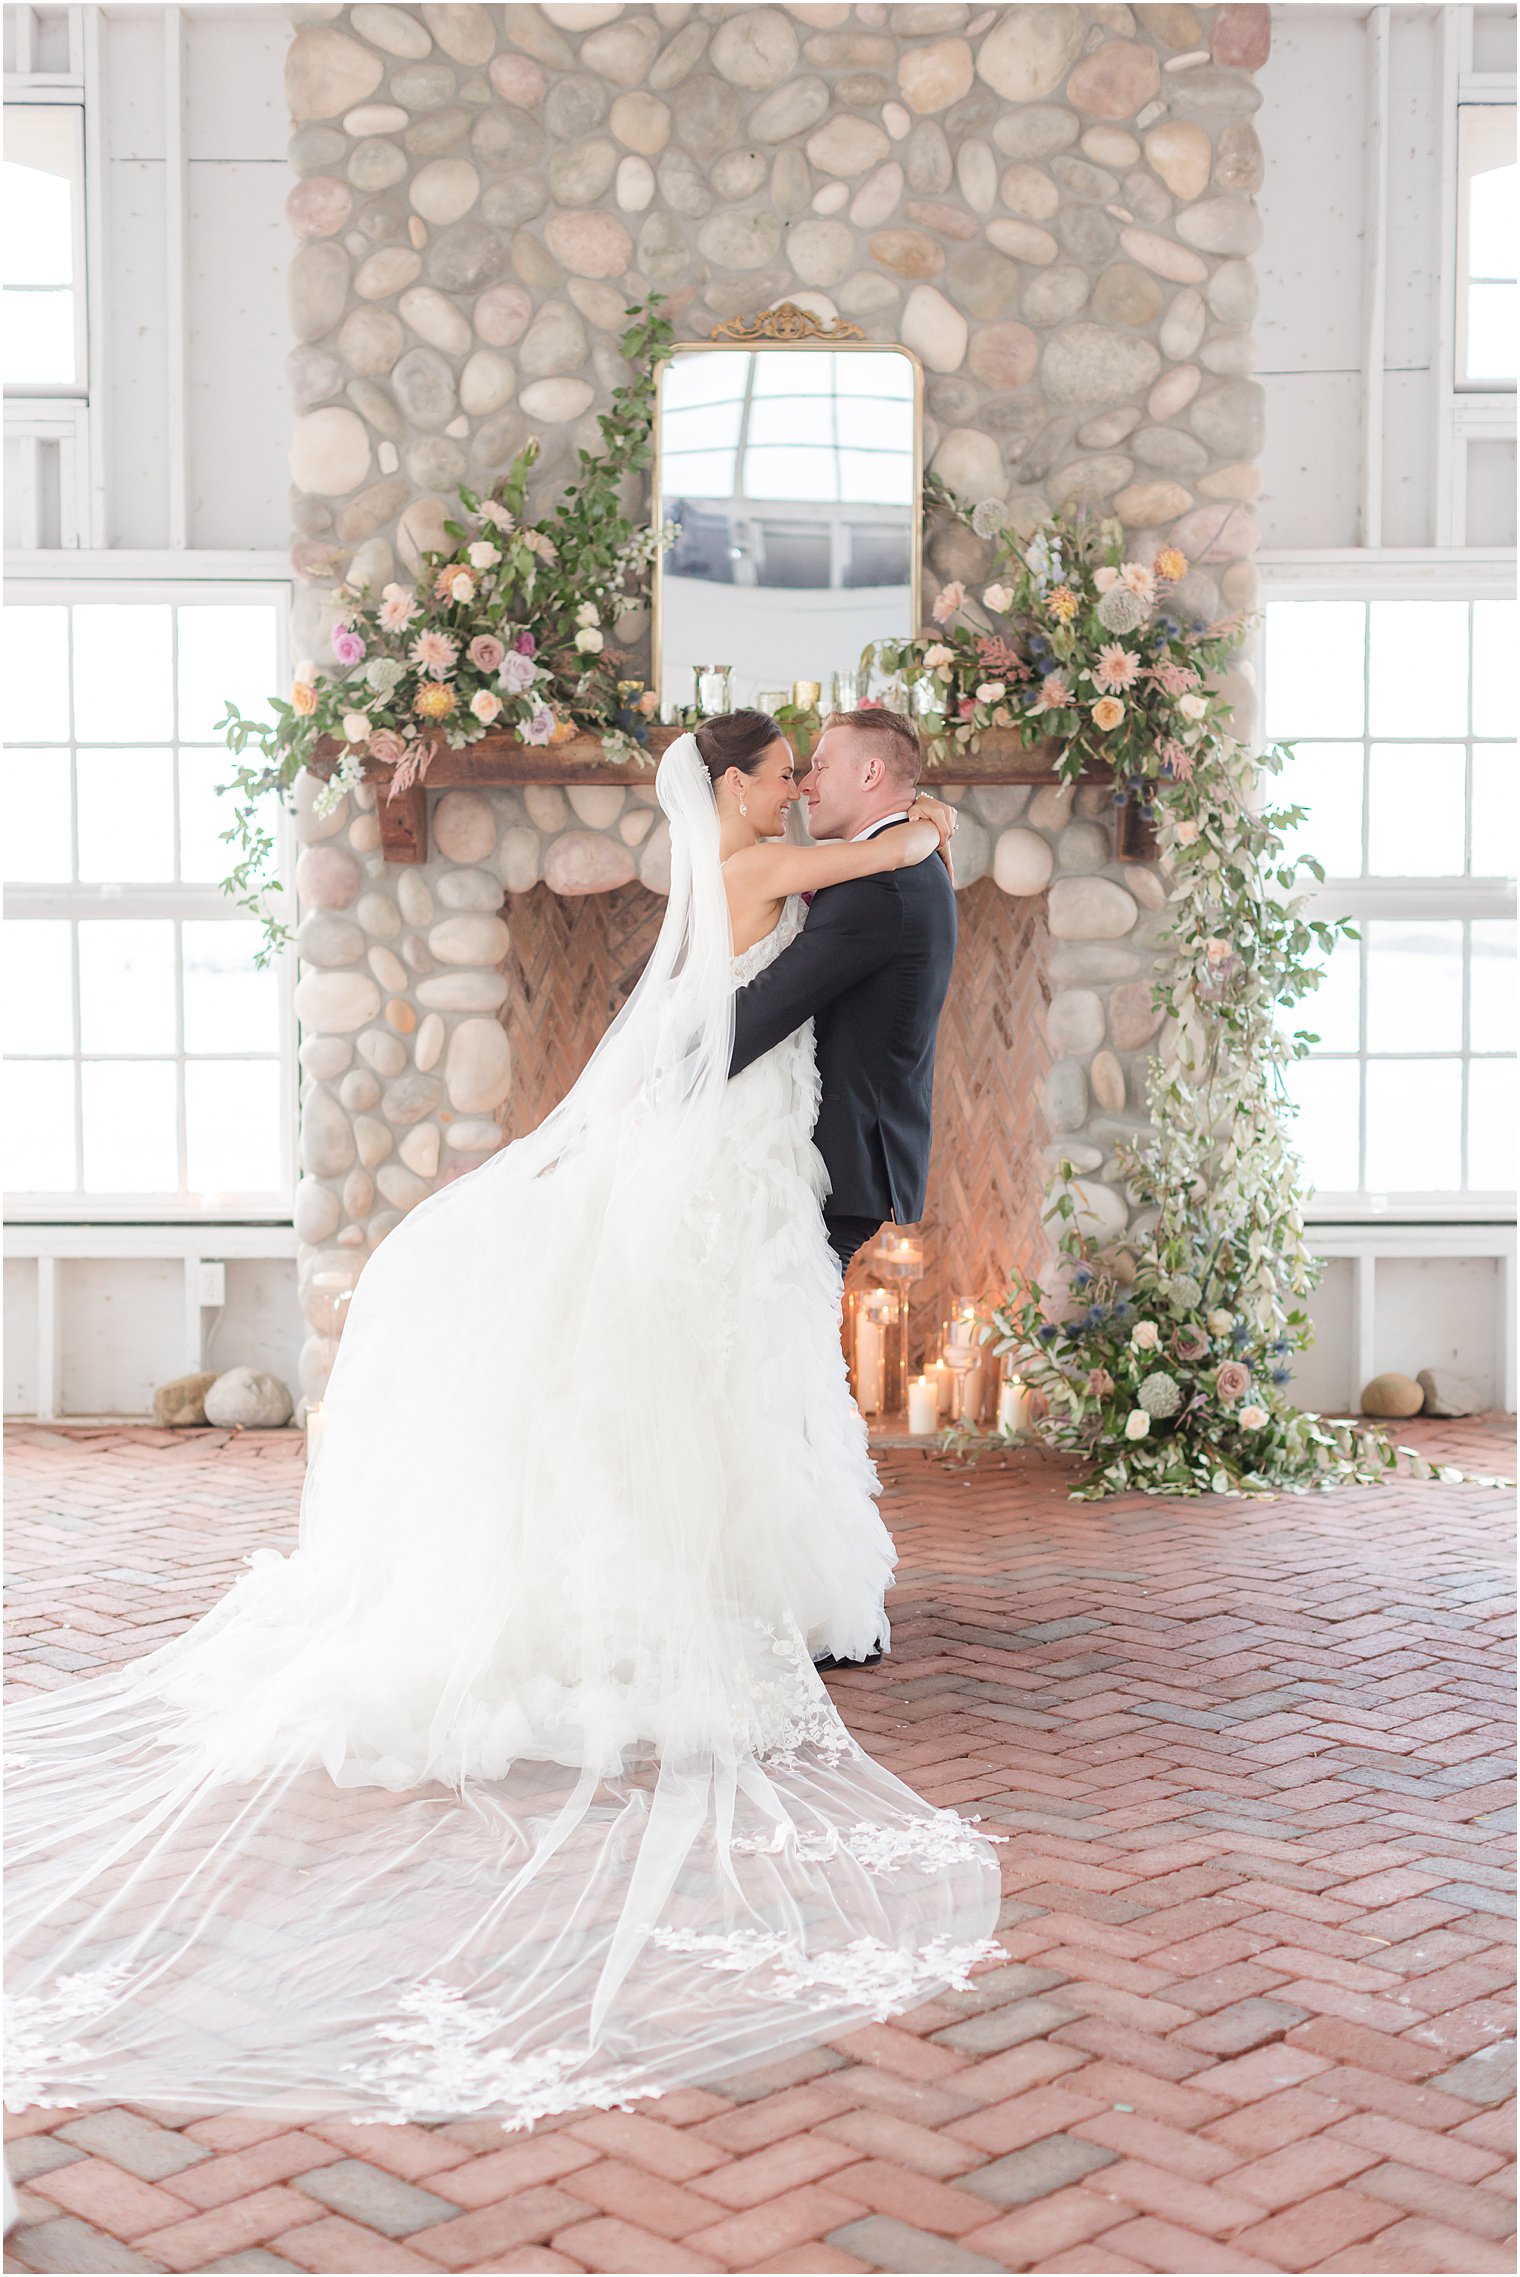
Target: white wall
column 1335, row 239
column 190, row 424
column 213, row 215
column 1319, row 268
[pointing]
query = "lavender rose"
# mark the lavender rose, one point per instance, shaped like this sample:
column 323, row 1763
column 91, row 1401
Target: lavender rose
column 517, row 674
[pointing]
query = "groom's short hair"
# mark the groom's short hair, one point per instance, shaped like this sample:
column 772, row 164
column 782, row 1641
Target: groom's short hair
column 894, row 736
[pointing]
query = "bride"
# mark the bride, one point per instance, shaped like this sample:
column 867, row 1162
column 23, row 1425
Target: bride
column 514, row 1789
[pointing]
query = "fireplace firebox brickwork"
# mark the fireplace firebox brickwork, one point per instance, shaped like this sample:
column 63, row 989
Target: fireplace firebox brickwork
column 1051, row 205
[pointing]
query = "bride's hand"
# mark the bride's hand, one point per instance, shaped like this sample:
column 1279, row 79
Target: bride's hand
column 944, row 819
column 943, row 816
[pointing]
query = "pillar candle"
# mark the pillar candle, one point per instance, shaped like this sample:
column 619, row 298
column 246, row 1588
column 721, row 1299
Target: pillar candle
column 870, row 1361
column 1013, row 1406
column 923, row 1407
column 943, row 1379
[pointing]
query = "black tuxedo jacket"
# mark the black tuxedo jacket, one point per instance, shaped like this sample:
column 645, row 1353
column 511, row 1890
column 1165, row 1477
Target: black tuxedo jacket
column 870, row 968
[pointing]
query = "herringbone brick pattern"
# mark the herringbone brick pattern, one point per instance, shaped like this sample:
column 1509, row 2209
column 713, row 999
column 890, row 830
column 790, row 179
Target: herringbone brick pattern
column 1253, row 2010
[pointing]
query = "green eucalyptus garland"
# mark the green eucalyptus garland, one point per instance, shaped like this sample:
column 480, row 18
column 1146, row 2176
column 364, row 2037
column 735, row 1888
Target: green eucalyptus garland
column 1162, row 1351
column 506, row 628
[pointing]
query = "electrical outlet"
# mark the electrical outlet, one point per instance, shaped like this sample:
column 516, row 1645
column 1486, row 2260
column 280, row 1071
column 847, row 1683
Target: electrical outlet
column 213, row 1282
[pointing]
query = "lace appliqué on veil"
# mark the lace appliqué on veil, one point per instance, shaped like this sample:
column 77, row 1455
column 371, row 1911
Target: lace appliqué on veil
column 882, row 1979
column 945, row 1839
column 942, row 1839
column 441, row 2069
column 789, row 1712
column 34, row 2023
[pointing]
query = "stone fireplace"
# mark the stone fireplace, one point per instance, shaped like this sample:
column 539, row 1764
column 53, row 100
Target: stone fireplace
column 1050, row 205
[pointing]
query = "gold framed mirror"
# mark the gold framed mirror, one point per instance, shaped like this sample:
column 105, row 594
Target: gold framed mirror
column 790, row 457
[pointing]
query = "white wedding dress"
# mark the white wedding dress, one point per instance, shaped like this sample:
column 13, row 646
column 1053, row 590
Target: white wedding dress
column 514, row 1789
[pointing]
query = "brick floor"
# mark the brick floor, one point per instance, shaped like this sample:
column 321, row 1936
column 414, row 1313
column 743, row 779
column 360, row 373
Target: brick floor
column 1251, row 1758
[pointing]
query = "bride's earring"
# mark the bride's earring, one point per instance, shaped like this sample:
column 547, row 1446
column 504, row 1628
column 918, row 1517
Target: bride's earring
column 743, row 809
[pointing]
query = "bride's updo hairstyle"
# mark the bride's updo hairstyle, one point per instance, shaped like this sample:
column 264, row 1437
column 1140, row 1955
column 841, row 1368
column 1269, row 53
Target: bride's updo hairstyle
column 735, row 739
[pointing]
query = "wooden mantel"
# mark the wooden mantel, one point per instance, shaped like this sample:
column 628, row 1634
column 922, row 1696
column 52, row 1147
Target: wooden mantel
column 498, row 760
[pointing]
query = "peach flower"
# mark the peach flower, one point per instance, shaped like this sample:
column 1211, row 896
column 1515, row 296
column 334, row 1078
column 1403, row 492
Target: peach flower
column 947, row 600
column 1107, row 713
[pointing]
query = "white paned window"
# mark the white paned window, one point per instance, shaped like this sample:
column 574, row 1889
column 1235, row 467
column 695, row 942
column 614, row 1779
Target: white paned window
column 42, row 230
column 1488, row 223
column 147, row 1053
column 1402, row 724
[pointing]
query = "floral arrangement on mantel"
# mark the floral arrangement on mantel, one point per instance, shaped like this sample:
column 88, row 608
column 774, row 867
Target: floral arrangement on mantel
column 1163, row 1355
column 508, row 629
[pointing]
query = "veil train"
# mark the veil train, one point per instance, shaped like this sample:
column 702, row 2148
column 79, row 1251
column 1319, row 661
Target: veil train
column 514, row 1788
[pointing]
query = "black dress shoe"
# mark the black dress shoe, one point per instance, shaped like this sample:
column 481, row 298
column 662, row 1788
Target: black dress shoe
column 866, row 1660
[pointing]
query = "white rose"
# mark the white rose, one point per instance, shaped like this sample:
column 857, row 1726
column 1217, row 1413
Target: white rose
column 1105, row 579
column 1221, row 1322
column 485, row 704
column 1145, row 1336
column 1187, row 833
column 998, row 598
column 1252, row 1418
column 461, row 586
column 991, row 692
column 589, row 641
column 1193, row 706
column 356, row 727
column 1137, row 1424
column 306, row 670
column 483, row 555
column 937, row 655
column 588, row 614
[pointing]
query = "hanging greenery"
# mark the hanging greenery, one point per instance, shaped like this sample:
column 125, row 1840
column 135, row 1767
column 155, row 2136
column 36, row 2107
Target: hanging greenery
column 1162, row 1353
column 507, row 628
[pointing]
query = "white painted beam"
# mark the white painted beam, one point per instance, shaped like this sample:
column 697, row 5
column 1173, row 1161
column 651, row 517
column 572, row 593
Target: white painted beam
column 176, row 201
column 1375, row 277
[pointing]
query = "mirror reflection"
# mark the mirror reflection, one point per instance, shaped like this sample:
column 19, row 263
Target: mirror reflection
column 791, row 474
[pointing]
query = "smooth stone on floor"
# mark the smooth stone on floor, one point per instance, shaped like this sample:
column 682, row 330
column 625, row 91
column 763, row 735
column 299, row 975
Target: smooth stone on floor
column 1446, row 1393
column 248, row 1399
column 1392, row 1395
column 181, row 1403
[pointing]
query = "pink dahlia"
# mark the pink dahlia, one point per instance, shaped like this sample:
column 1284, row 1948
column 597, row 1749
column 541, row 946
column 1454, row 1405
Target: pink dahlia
column 435, row 653
column 1116, row 668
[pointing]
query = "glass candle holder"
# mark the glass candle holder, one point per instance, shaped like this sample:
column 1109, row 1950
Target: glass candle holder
column 964, row 1358
column 714, row 692
column 845, row 691
column 806, row 694
column 897, row 1257
column 878, row 1350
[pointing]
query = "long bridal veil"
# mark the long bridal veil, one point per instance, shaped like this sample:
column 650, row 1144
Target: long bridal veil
column 514, row 1788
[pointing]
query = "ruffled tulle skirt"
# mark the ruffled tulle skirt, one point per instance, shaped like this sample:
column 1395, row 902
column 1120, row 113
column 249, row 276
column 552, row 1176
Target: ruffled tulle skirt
column 514, row 1788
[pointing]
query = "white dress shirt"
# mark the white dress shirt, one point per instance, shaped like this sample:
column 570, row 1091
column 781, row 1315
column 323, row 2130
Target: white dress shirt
column 871, row 828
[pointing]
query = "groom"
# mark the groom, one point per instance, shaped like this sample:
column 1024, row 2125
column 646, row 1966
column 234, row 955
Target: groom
column 870, row 969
